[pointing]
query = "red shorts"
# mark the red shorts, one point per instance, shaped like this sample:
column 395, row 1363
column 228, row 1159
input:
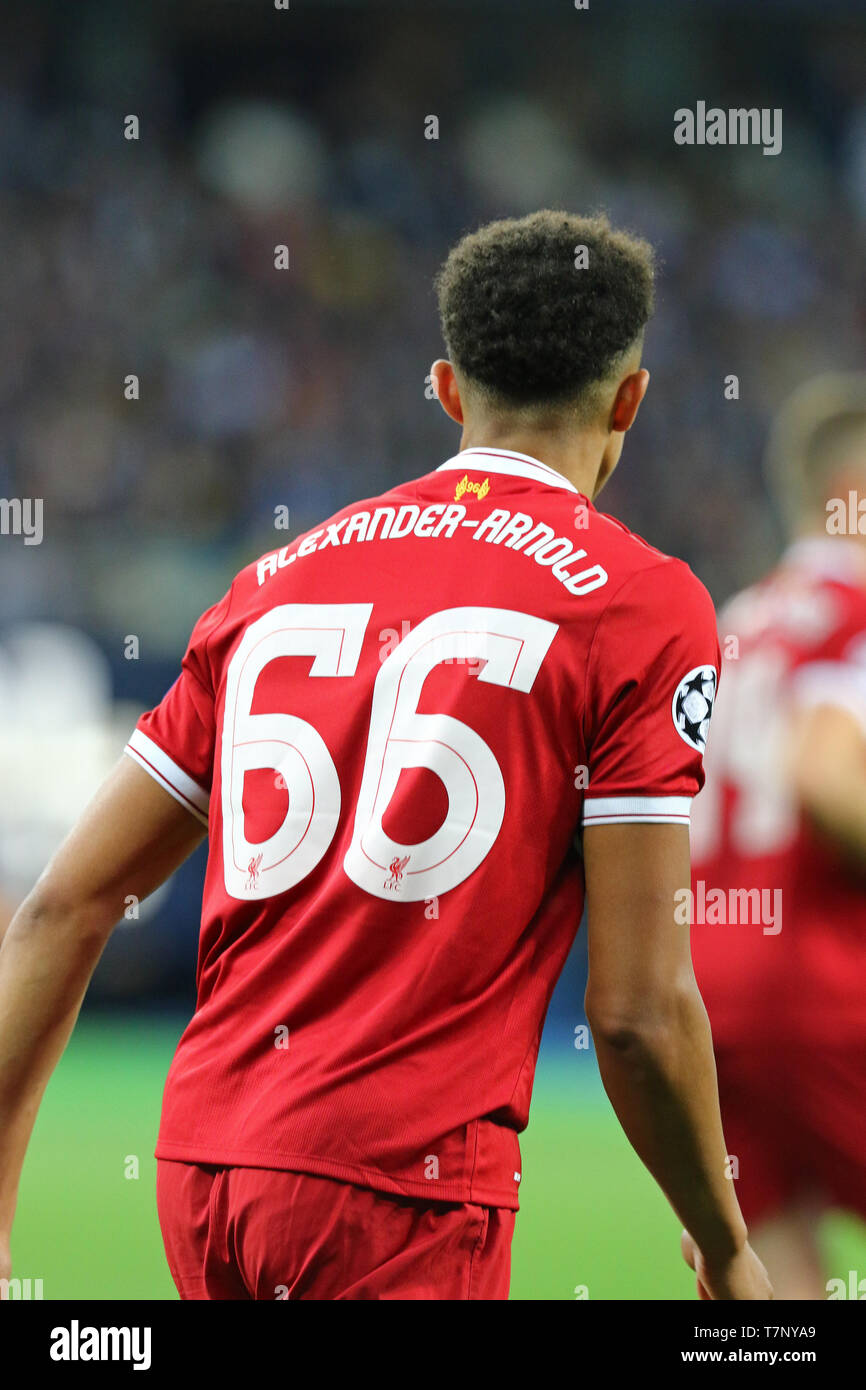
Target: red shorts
column 795, row 1119
column 258, row 1233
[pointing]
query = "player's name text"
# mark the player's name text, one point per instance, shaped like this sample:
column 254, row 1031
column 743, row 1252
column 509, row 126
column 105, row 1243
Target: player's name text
column 515, row 530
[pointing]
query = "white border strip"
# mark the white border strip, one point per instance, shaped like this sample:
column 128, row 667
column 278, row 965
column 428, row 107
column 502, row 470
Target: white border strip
column 518, row 465
column 617, row 810
column 164, row 770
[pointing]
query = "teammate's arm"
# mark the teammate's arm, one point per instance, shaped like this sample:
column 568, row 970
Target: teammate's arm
column 827, row 768
column 654, row 1047
column 131, row 837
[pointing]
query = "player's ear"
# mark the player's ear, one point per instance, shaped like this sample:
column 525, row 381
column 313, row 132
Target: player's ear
column 447, row 392
column 630, row 393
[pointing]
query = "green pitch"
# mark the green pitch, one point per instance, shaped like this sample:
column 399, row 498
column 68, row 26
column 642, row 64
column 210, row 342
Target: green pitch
column 591, row 1219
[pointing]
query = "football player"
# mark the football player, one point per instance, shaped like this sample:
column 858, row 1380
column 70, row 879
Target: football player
column 400, row 838
column 779, row 831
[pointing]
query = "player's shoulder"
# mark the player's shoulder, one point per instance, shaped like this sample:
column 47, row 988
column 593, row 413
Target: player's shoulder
column 644, row 576
column 839, row 615
column 319, row 536
column 849, row 600
column 808, row 600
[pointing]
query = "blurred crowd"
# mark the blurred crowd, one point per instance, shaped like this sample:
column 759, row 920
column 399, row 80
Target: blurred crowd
column 262, row 388
column 305, row 387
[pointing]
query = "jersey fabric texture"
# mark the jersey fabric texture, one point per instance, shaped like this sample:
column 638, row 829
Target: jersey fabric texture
column 793, row 1117
column 395, row 728
column 249, row 1233
column 779, row 940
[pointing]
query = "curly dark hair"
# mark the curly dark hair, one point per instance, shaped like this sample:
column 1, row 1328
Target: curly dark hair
column 525, row 324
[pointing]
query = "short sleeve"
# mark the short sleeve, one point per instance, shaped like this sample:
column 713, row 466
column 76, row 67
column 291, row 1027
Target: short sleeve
column 652, row 677
column 174, row 742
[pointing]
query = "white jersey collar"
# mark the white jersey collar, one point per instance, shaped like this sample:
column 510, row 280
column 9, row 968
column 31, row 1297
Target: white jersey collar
column 508, row 461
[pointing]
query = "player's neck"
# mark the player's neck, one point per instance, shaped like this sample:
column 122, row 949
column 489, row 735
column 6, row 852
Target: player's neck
column 578, row 457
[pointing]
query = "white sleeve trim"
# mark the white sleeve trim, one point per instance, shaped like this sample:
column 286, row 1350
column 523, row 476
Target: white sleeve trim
column 616, row 810
column 166, row 772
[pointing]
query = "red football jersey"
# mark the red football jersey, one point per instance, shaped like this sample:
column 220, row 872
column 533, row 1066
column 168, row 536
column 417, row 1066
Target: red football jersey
column 394, row 728
column 781, row 950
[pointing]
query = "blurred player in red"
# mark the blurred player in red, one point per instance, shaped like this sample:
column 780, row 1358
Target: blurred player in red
column 779, row 851
column 416, row 736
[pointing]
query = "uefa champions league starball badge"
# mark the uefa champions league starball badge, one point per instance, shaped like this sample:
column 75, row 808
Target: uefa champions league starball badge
column 693, row 706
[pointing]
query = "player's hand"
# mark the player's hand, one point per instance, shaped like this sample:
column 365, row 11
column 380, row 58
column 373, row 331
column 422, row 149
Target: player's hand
column 741, row 1277
column 5, row 1261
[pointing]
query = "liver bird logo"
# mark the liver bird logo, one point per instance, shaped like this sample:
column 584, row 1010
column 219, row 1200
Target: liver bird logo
column 253, row 872
column 395, row 868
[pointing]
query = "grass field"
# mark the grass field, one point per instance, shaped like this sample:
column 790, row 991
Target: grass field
column 590, row 1216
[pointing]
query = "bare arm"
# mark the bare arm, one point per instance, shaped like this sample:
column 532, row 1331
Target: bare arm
column 653, row 1041
column 131, row 837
